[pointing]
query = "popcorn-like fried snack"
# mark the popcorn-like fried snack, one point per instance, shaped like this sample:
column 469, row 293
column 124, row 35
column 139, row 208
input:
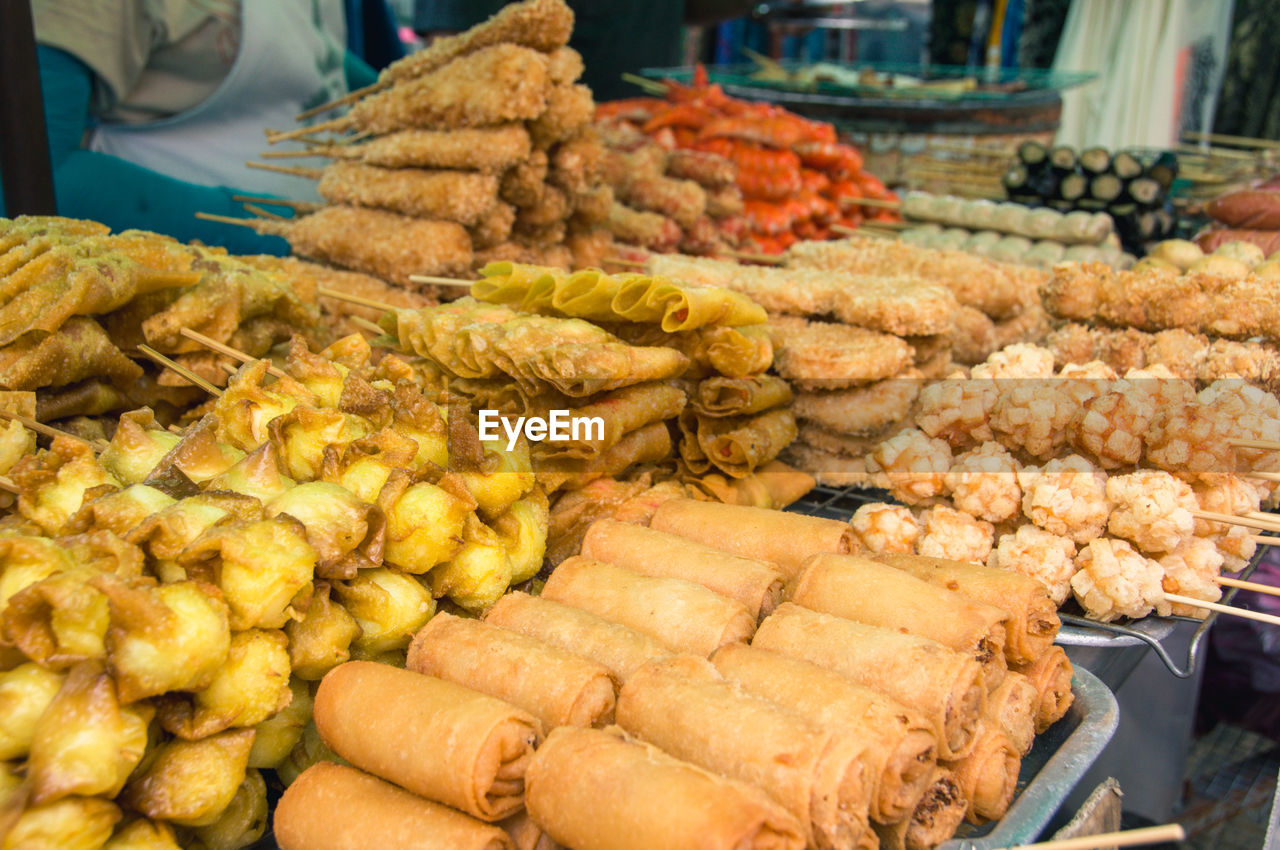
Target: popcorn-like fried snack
column 1114, row 581
column 1153, row 509
column 1046, row 557
column 886, row 528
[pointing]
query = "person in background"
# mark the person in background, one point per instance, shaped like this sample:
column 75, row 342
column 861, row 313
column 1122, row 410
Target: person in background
column 153, row 106
column 613, row 36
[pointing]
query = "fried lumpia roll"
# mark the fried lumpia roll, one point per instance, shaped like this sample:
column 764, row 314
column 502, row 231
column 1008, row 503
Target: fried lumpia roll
column 685, row 616
column 737, row 445
column 622, row 412
column 432, row 737
column 1033, row 617
column 555, row 686
column 527, row 835
column 621, row 649
column 755, row 584
column 594, row 790
column 785, row 539
column 988, row 775
column 934, row 820
column 1012, row 708
column 683, row 706
column 1051, row 675
column 901, row 749
column 335, row 807
column 942, row 684
column 858, row 589
column 720, row 396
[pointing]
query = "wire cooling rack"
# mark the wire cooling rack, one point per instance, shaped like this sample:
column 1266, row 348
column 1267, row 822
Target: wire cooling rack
column 1077, row 630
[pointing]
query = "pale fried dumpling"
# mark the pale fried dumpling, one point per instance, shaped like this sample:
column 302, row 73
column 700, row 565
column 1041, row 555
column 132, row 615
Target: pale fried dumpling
column 424, row 423
column 16, row 442
column 191, row 783
column 365, row 465
column 507, row 475
column 281, row 732
column 251, row 686
column 167, row 533
column 53, row 483
column 72, row 823
column 198, row 455
column 522, row 530
column 389, row 607
column 479, row 573
column 86, row 743
column 143, row 834
column 121, row 511
column 59, row 621
column 137, row 446
column 25, row 692
column 246, row 409
column 302, row 435
column 424, row 523
column 243, row 821
column 336, row 522
column 257, row 474
column 25, row 560
column 321, row 640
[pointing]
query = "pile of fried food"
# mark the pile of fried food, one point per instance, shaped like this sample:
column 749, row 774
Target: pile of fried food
column 477, row 148
column 79, row 301
column 170, row 602
column 889, row 700
column 797, row 179
column 1104, row 488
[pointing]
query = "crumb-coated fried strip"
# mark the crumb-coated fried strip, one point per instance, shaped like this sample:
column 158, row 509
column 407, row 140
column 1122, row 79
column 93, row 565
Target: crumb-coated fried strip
column 682, row 200
column 565, row 66
column 488, row 149
column 705, row 169
column 381, row 243
column 493, row 227
column 461, row 196
column 650, row 230
column 569, row 109
column 523, row 183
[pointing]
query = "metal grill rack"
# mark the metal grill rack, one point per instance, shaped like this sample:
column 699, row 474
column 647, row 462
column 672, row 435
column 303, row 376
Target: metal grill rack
column 840, row 503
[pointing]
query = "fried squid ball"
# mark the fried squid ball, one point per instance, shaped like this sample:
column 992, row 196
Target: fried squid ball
column 958, row 410
column 1190, row 441
column 1020, row 360
column 276, row 736
column 1153, row 509
column 1111, row 426
column 1033, row 416
column 191, row 783
column 984, row 483
column 1045, row 557
column 913, row 464
column 1191, row 570
column 1114, row 581
column 1068, row 496
column 948, row 533
column 883, row 527
column 388, row 606
column 25, row 692
column 72, row 823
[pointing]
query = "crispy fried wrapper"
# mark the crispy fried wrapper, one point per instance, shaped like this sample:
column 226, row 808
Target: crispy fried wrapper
column 78, row 350
column 191, row 783
column 721, row 396
column 738, row 445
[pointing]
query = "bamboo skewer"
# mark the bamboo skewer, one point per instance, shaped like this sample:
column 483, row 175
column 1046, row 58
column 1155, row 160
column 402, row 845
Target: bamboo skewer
column 1242, row 141
column 7, row 485
column 349, row 97
column 47, row 431
column 1223, row 609
column 1264, row 540
column 1273, row 445
column 1265, row 476
column 1248, row 585
column 336, row 125
column 1232, row 519
column 442, row 281
column 300, row 206
column 871, row 202
column 179, row 369
column 365, row 324
column 295, row 171
column 221, row 348
column 355, row 299
column 264, row 213
column 769, row 259
column 630, row 264
column 324, row 150
column 1124, row 838
column 262, row 225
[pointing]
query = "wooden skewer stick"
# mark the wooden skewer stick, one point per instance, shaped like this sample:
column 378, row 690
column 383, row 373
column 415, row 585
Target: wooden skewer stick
column 650, row 86
column 1265, row 476
column 267, row 226
column 334, row 126
column 1248, row 585
column 1223, row 609
column 1254, row 444
column 1232, row 519
column 7, row 485
column 1233, row 140
column 234, row 353
column 442, row 281
column 355, row 299
column 264, row 213
column 871, row 202
column 618, row 261
column 45, row 430
column 770, row 259
column 309, row 173
column 860, row 231
column 1124, row 838
column 179, row 369
column 349, row 97
column 1264, row 540
column 300, row 206
column 371, row 327
column 228, row 368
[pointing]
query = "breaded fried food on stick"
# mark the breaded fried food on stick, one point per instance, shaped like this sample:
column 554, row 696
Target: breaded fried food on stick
column 569, row 109
column 490, row 150
column 461, row 196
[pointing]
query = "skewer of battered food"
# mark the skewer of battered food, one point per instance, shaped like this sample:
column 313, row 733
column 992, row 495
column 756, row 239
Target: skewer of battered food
column 376, row 242
column 543, row 25
column 45, row 430
column 494, row 85
column 491, row 150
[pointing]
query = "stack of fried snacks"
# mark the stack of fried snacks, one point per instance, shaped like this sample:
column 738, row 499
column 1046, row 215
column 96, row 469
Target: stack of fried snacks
column 197, row 584
column 489, row 136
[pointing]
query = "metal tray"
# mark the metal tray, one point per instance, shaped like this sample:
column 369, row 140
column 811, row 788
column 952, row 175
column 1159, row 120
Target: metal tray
column 1057, row 761
column 840, row 503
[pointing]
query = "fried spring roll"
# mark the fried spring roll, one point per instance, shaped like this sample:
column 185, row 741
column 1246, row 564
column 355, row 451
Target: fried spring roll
column 988, row 775
column 685, row 616
column 594, row 790
column 557, row 687
column 815, row 774
column 527, row 835
column 621, row 649
column 943, row 685
column 857, row 588
column 901, row 748
column 785, row 539
column 334, row 807
column 934, row 820
column 1033, row 618
column 1012, row 708
column 720, row 396
column 737, row 445
column 432, row 737
column 1051, row 674
column 755, row 584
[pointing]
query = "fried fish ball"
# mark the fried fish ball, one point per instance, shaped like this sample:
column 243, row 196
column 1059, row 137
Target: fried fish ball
column 321, row 640
column 135, row 448
column 262, row 567
column 955, row 535
column 25, row 692
column 522, row 531
column 913, row 464
column 1153, row 509
column 143, row 834
column 191, row 783
column 1250, row 413
column 984, row 483
column 281, row 732
column 60, row 620
column 1190, row 441
column 72, row 823
column 1111, row 426
column 1192, row 570
column 479, row 573
column 251, row 686
column 1114, row 581
column 1048, row 558
column 388, row 605
column 507, row 475
column 1033, row 415
column 86, row 743
column 173, row 637
column 1068, row 496
column 886, row 528
column 336, row 522
column 242, row 822
column 424, row 524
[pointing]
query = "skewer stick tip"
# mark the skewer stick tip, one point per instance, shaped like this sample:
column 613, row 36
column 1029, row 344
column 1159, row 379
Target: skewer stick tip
column 179, row 369
column 441, row 281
